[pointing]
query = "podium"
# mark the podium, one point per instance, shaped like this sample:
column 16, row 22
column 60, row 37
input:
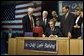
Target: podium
column 45, row 46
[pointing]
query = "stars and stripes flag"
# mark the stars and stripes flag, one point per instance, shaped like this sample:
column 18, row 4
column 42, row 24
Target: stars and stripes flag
column 12, row 14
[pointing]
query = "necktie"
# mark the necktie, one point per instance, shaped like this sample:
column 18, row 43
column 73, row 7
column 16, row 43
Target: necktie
column 44, row 21
column 52, row 29
column 66, row 15
column 31, row 22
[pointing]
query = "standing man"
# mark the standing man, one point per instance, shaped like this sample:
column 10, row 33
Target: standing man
column 29, row 21
column 44, row 20
column 67, row 21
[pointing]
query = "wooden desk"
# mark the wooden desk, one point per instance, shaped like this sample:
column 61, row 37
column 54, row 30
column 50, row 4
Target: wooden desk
column 64, row 45
column 12, row 46
column 76, row 46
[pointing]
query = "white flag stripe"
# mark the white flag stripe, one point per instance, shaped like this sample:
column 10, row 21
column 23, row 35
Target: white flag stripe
column 26, row 5
column 12, row 26
column 18, row 31
column 21, row 10
column 12, row 21
column 22, row 15
column 26, row 10
column 23, row 5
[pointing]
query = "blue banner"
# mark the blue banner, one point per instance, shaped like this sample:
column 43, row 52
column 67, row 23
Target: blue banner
column 73, row 4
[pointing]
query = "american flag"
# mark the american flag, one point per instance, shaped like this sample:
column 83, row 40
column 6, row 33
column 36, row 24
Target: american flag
column 12, row 14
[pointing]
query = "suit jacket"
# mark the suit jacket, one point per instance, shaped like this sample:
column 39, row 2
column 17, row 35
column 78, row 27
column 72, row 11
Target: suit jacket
column 79, row 21
column 76, row 32
column 67, row 24
column 56, row 31
column 43, row 24
column 27, row 23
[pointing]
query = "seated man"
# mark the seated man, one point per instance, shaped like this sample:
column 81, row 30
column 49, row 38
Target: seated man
column 52, row 30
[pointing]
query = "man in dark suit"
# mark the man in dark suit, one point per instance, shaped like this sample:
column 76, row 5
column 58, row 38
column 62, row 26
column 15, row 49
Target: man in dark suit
column 66, row 22
column 52, row 30
column 29, row 21
column 44, row 20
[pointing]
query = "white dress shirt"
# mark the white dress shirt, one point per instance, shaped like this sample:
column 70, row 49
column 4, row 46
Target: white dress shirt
column 31, row 19
column 45, row 20
column 77, row 19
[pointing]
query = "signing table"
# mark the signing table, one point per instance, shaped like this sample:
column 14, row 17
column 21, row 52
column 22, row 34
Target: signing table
column 45, row 46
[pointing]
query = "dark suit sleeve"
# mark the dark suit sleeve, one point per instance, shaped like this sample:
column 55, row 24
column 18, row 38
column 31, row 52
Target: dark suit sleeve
column 47, row 32
column 71, row 22
column 23, row 21
column 61, row 24
column 34, row 17
column 59, row 33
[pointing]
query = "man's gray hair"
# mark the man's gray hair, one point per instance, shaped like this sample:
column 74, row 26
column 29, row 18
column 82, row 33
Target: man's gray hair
column 45, row 12
column 30, row 9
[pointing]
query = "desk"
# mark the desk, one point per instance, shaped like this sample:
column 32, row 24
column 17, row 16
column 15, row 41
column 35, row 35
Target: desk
column 64, row 46
column 76, row 46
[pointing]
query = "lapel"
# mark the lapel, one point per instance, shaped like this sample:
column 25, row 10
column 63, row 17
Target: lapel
column 54, row 31
column 67, row 18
